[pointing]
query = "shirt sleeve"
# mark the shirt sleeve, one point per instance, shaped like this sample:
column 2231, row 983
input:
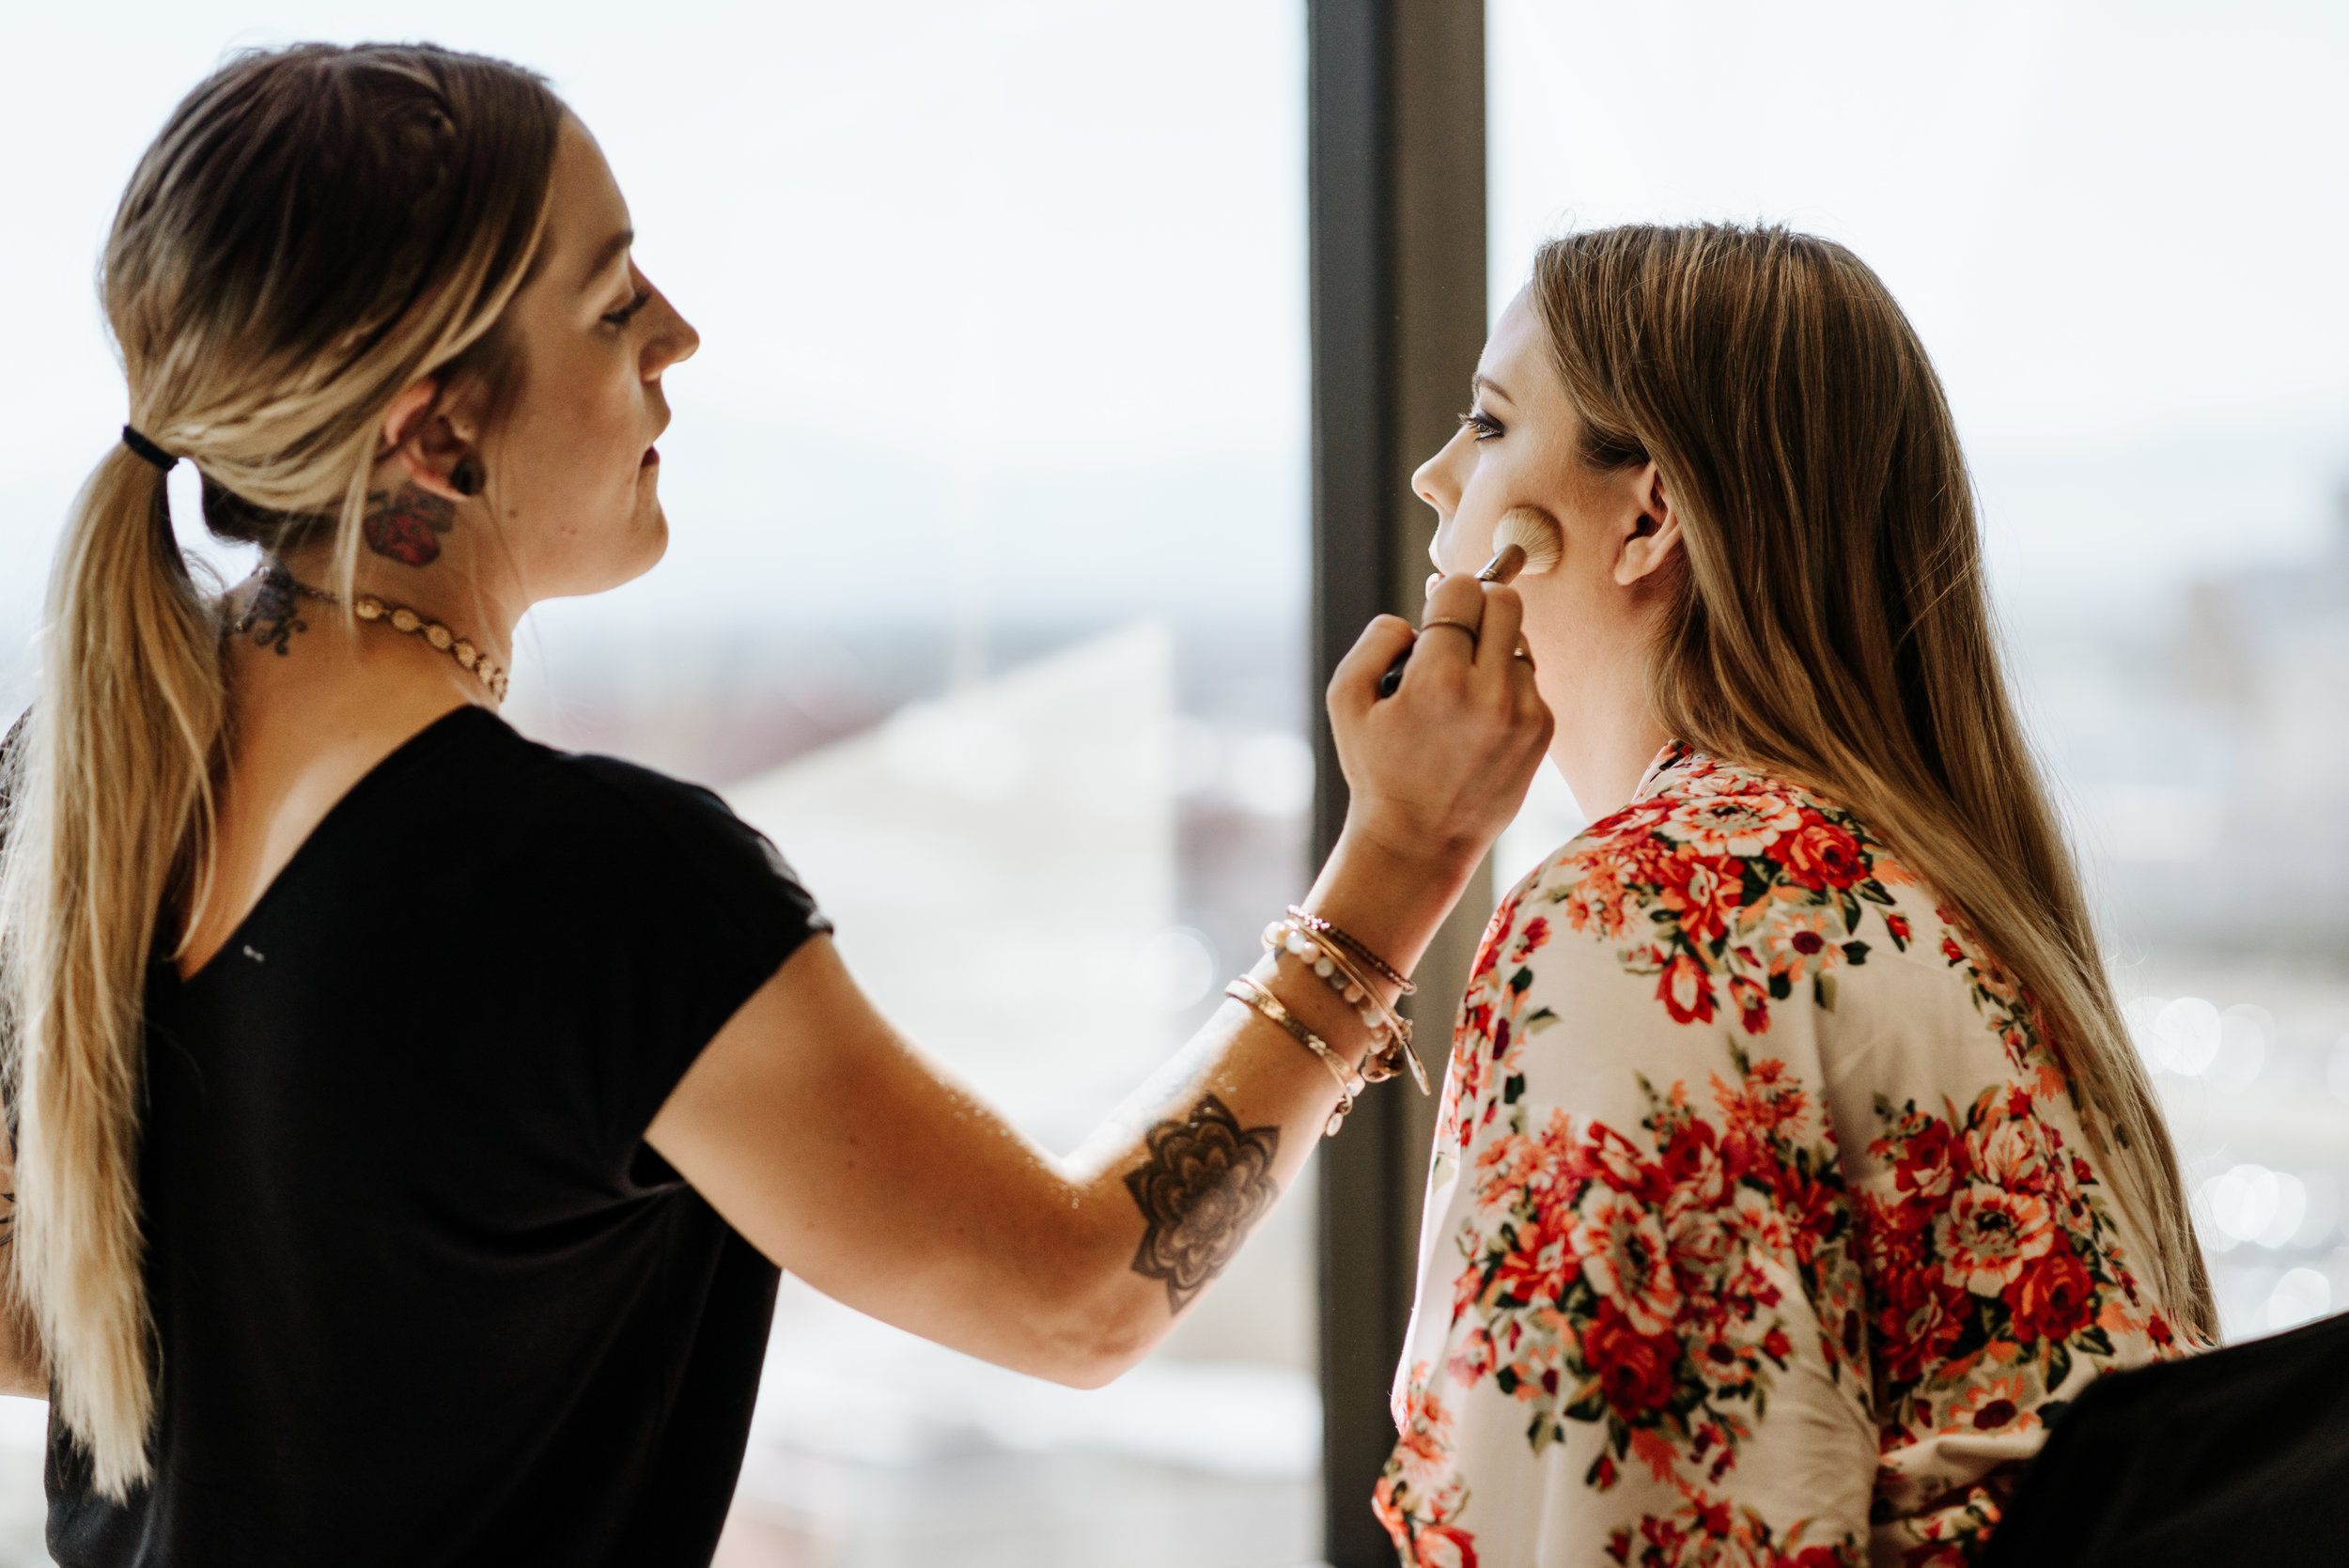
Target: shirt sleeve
column 1638, row 1335
column 654, row 912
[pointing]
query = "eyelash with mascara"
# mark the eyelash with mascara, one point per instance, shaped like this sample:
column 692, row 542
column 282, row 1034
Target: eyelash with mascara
column 1485, row 425
column 627, row 313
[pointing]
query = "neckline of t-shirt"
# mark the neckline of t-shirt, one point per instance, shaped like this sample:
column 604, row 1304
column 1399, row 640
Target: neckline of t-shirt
column 387, row 766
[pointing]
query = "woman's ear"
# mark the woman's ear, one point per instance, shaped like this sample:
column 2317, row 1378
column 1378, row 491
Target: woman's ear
column 1654, row 533
column 432, row 436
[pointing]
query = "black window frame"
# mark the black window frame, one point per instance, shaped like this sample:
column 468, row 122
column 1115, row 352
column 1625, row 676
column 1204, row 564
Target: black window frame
column 1396, row 180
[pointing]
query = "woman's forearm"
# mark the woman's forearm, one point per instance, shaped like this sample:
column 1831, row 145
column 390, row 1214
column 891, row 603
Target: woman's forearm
column 857, row 1163
column 1244, row 1091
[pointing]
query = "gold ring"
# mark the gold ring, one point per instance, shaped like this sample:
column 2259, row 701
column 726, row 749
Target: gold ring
column 1434, row 621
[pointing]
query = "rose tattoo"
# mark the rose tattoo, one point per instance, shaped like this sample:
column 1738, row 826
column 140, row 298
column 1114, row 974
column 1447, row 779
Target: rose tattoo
column 406, row 524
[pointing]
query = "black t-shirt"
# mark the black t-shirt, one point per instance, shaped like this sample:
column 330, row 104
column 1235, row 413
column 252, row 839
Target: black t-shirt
column 422, row 1293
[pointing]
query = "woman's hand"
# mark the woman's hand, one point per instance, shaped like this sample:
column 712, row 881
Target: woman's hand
column 1437, row 770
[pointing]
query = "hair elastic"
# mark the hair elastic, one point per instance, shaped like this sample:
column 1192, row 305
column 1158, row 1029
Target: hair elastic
column 148, row 449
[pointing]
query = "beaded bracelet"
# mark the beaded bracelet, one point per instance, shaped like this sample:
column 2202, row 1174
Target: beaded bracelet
column 1330, row 931
column 1390, row 1031
column 1260, row 997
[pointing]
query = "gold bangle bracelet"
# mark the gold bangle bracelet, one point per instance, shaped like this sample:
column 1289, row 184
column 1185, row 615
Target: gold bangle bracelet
column 1390, row 1031
column 1353, row 944
column 1260, row 999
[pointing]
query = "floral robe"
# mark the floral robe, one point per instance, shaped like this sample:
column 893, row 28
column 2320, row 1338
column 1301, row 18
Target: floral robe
column 1761, row 1228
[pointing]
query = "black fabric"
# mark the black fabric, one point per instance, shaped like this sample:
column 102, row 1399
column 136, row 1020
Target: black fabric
column 2239, row 1455
column 422, row 1293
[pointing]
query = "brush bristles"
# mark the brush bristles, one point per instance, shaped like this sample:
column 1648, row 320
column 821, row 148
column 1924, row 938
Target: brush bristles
column 1534, row 531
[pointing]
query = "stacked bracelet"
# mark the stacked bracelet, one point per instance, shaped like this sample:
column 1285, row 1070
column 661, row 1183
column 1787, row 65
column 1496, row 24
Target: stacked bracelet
column 1332, row 954
column 1330, row 932
column 1260, row 998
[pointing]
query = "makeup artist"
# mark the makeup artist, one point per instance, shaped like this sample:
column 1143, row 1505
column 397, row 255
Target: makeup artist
column 410, row 1121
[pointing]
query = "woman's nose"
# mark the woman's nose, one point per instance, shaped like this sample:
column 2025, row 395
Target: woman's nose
column 675, row 341
column 1434, row 483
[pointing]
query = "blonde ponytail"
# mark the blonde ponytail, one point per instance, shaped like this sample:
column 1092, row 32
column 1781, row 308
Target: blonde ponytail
column 313, row 230
column 112, row 805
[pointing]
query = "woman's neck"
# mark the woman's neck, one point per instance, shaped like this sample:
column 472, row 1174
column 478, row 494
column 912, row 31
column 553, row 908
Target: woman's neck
column 452, row 592
column 1605, row 741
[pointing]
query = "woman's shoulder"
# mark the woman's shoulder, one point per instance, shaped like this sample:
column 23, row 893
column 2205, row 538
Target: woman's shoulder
column 615, row 820
column 1725, row 887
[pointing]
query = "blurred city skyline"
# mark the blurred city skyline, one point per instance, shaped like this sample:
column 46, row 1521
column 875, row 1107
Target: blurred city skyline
column 1003, row 302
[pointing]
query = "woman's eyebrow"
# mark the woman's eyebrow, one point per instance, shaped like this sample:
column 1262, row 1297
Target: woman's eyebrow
column 605, row 254
column 1480, row 383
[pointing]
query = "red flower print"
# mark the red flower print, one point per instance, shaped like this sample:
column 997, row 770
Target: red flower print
column 1767, row 1099
column 1609, row 1157
column 1424, row 1426
column 1739, row 825
column 2053, row 1299
column 1636, row 1369
column 1706, row 892
column 1800, row 942
column 1625, row 1258
column 1815, row 1211
column 1422, row 1543
column 1753, row 1003
column 1898, row 926
column 1920, row 1325
column 1536, row 1270
column 2005, row 1154
column 1701, row 1245
column 1686, row 990
column 1927, row 1168
column 1821, row 855
column 1530, row 940
column 1691, row 1167
column 1992, row 1406
column 1988, row 1236
column 1475, row 1359
column 1488, row 949
column 1444, row 1546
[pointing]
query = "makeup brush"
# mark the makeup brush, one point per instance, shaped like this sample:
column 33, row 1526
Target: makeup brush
column 1527, row 539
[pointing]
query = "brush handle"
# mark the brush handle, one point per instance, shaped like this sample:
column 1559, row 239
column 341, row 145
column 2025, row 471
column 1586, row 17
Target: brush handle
column 1500, row 569
column 1393, row 678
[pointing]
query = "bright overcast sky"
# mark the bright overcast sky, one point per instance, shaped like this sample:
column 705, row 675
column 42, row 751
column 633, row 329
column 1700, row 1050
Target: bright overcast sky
column 1022, row 284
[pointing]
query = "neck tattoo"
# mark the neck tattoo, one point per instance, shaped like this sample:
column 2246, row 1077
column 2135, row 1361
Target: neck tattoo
column 273, row 618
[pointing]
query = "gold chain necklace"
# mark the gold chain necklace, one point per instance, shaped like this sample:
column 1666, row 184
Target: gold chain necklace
column 278, row 586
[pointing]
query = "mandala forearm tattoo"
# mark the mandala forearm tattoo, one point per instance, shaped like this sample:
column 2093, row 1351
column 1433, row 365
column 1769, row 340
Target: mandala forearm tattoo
column 1205, row 1183
column 406, row 524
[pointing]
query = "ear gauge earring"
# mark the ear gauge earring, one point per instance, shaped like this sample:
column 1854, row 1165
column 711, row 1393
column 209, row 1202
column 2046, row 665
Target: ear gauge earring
column 465, row 478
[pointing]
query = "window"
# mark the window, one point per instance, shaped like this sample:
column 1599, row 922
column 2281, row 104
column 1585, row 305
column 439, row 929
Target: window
column 2116, row 228
column 986, row 599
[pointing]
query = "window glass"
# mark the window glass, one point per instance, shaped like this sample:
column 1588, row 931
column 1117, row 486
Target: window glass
column 984, row 599
column 2118, row 228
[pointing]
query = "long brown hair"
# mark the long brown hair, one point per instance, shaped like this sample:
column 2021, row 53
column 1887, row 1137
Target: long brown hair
column 1833, row 622
column 313, row 229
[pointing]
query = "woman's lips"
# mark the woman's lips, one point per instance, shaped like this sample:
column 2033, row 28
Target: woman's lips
column 652, row 457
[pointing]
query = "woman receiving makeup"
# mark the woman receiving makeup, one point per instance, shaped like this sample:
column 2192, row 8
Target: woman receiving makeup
column 1794, row 1167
